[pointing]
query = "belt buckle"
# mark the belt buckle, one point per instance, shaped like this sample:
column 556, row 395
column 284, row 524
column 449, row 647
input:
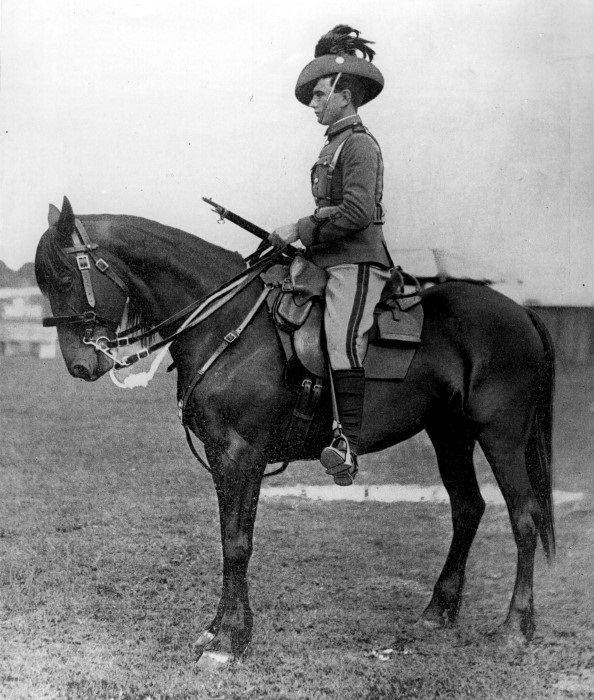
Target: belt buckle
column 231, row 337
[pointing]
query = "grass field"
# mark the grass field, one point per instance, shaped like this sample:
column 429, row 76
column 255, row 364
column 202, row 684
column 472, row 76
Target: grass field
column 111, row 564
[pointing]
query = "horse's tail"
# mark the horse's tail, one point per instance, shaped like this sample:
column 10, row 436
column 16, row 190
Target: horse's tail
column 539, row 450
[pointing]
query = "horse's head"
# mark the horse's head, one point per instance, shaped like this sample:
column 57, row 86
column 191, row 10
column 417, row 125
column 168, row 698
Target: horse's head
column 87, row 296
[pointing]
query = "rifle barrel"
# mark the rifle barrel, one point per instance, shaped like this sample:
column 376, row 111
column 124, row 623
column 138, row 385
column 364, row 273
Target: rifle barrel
column 244, row 223
column 238, row 220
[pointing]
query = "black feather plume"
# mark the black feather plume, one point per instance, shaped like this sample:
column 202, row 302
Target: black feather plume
column 344, row 40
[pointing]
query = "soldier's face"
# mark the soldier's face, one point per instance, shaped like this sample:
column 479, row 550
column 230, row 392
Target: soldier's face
column 328, row 105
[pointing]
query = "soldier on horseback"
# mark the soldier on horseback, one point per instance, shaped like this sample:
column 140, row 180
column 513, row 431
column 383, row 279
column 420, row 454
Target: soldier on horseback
column 344, row 235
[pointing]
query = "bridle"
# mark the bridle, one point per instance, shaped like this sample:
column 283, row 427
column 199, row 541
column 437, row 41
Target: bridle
column 192, row 315
column 85, row 251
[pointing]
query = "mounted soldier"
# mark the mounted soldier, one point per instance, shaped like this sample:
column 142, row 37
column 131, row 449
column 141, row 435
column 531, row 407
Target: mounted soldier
column 344, row 235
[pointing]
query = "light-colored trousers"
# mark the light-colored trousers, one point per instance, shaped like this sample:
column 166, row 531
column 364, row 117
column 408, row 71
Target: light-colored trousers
column 352, row 293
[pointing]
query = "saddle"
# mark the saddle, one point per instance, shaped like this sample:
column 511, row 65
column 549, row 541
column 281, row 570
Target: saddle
column 296, row 305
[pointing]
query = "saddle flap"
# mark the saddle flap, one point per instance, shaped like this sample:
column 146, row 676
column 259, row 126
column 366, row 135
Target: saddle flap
column 307, row 341
column 290, row 315
column 307, row 280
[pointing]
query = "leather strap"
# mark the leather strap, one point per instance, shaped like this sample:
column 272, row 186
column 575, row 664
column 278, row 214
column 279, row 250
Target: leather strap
column 332, row 168
column 87, row 317
column 100, row 263
column 84, row 265
column 231, row 338
column 300, row 423
column 236, row 283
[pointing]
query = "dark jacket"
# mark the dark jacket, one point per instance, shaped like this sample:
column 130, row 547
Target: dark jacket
column 347, row 225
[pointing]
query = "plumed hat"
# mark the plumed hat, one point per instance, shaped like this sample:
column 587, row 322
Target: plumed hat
column 336, row 52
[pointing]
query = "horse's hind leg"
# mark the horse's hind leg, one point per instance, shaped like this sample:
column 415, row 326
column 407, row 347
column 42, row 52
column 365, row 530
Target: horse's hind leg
column 454, row 446
column 506, row 456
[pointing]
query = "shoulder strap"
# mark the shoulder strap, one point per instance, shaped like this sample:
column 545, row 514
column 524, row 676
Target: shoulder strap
column 332, row 168
column 336, row 156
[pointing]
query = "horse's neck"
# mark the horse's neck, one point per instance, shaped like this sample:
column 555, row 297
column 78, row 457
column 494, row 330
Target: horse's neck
column 166, row 268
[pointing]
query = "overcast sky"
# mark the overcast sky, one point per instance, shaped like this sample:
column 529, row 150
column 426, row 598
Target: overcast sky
column 143, row 106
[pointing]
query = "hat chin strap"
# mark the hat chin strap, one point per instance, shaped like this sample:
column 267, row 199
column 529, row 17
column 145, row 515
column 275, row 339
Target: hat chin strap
column 338, row 76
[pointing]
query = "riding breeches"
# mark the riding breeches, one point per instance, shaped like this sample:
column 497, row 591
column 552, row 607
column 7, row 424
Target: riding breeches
column 352, row 292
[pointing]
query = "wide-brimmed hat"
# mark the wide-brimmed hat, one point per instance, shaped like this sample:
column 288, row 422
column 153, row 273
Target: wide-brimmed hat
column 336, row 52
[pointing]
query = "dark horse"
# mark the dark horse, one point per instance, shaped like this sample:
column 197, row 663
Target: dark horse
column 484, row 373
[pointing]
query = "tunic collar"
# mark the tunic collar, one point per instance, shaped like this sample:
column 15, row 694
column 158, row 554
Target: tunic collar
column 342, row 124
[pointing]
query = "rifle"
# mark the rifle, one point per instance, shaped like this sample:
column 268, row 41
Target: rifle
column 246, row 225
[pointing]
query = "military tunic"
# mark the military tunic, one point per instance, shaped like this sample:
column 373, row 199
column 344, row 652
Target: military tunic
column 345, row 237
column 347, row 225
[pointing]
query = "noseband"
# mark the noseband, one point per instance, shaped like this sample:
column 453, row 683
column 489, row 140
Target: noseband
column 84, row 250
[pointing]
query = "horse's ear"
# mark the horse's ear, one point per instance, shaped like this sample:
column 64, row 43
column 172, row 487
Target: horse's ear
column 53, row 215
column 65, row 223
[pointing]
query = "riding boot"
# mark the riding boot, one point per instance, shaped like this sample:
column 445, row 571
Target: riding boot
column 340, row 458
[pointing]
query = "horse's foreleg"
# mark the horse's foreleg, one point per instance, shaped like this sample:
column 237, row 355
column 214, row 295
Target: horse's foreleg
column 208, row 634
column 454, row 448
column 237, row 473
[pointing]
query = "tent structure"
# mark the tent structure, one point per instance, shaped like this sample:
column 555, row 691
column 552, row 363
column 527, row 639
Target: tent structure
column 435, row 265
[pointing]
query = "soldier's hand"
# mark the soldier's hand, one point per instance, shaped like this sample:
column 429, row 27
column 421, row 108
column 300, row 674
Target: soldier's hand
column 284, row 235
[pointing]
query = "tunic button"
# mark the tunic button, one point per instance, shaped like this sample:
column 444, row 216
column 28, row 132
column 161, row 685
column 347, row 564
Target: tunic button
column 316, row 180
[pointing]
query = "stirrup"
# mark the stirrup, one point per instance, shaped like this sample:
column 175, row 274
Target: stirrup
column 340, row 462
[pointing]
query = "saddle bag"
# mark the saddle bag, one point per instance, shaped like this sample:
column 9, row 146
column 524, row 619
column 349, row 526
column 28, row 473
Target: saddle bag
column 400, row 322
column 305, row 283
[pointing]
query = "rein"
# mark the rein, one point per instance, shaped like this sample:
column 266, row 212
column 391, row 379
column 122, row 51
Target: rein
column 197, row 312
column 194, row 314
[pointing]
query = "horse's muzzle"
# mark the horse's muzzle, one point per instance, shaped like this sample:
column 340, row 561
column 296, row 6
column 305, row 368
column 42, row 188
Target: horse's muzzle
column 82, row 369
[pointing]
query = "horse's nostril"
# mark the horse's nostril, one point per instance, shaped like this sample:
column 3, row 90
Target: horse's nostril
column 80, row 371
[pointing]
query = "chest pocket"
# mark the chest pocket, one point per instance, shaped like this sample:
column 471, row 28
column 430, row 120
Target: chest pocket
column 322, row 173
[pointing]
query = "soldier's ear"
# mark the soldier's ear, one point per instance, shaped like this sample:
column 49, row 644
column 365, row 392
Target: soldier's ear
column 348, row 95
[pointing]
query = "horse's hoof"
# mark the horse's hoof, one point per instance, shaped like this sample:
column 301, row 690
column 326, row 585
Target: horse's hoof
column 205, row 638
column 434, row 619
column 425, row 623
column 508, row 639
column 214, row 660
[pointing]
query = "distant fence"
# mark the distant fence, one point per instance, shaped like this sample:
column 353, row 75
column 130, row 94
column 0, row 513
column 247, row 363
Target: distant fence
column 572, row 328
column 21, row 332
